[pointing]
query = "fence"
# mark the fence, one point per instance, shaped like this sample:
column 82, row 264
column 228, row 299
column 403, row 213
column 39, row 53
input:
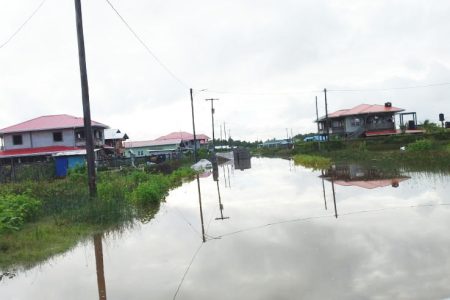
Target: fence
column 27, row 171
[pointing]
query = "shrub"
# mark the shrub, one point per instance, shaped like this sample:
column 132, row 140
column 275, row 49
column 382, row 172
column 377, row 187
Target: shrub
column 15, row 210
column 421, row 145
column 312, row 161
column 151, row 191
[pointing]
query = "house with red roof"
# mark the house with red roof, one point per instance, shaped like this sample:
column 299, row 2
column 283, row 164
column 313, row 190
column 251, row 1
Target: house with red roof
column 361, row 120
column 169, row 146
column 44, row 136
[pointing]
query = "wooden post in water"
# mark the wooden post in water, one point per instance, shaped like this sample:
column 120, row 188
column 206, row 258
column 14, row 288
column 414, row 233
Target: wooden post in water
column 85, row 98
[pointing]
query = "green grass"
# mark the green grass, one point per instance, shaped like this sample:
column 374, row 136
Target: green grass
column 312, row 161
column 39, row 219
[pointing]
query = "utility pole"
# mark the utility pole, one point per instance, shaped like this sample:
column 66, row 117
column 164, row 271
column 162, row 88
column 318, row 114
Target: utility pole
column 193, row 127
column 317, row 121
column 212, row 118
column 326, row 115
column 224, row 131
column 85, row 98
column 221, row 133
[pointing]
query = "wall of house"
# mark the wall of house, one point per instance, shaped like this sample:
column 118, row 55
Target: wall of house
column 45, row 138
column 8, row 140
column 350, row 125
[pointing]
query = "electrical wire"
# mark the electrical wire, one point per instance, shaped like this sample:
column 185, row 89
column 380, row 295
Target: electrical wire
column 391, row 88
column 149, row 51
column 187, row 270
column 23, row 24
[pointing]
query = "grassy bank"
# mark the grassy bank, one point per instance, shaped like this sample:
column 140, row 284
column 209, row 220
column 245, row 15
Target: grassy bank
column 39, row 219
column 411, row 152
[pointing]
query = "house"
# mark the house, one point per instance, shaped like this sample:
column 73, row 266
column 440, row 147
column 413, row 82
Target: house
column 286, row 143
column 114, row 140
column 187, row 139
column 168, row 148
column 361, row 120
column 38, row 139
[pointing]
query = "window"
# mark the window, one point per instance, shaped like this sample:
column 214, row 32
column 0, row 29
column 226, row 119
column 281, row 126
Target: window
column 17, row 139
column 57, row 136
column 79, row 135
column 337, row 124
column 356, row 122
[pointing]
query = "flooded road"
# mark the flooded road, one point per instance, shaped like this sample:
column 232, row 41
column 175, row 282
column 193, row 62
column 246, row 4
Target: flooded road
column 272, row 231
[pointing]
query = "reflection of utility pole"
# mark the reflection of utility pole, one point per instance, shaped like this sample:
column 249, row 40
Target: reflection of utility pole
column 99, row 266
column 324, row 195
column 220, row 204
column 212, row 118
column 334, row 198
column 201, row 209
column 86, row 107
column 224, row 131
column 193, row 127
column 229, row 179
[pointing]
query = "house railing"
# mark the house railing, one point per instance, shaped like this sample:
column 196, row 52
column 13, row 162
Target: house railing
column 380, row 126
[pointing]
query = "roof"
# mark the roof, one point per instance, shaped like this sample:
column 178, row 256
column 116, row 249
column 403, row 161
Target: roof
column 115, row 134
column 36, row 151
column 372, row 184
column 185, row 136
column 138, row 144
column 49, row 122
column 363, row 109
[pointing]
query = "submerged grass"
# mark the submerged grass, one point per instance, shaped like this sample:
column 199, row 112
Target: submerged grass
column 41, row 218
column 312, row 161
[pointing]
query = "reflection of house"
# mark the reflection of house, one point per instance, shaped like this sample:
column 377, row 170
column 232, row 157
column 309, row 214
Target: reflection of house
column 39, row 138
column 368, row 178
column 114, row 139
column 361, row 120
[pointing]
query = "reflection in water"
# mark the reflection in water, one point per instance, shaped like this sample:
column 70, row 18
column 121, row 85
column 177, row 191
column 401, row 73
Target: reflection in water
column 216, row 179
column 99, row 266
column 201, row 208
column 364, row 177
column 359, row 176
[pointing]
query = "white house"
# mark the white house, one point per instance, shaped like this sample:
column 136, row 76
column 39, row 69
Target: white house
column 46, row 135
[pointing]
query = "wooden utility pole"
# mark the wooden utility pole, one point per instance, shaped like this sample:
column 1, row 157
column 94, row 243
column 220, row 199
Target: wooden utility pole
column 193, row 127
column 85, row 98
column 317, row 121
column 327, row 126
column 212, row 118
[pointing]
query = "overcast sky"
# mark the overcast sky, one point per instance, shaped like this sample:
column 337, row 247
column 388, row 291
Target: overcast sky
column 268, row 60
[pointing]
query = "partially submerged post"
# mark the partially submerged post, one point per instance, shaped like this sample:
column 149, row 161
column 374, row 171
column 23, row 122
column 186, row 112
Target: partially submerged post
column 86, row 106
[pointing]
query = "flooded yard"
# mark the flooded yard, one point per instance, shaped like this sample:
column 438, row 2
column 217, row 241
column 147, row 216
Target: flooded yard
column 285, row 232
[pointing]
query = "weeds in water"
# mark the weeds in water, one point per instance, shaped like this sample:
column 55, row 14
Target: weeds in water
column 312, row 161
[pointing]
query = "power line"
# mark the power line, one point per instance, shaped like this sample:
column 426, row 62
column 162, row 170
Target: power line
column 391, row 88
column 147, row 48
column 263, row 93
column 23, row 24
column 187, row 270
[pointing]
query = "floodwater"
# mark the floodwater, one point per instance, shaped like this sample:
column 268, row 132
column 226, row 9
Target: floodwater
column 285, row 232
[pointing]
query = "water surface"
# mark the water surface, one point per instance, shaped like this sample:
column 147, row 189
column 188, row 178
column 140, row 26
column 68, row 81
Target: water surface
column 282, row 234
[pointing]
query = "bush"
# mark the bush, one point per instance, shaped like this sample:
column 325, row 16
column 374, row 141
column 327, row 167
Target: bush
column 15, row 210
column 421, row 145
column 312, row 161
column 151, row 191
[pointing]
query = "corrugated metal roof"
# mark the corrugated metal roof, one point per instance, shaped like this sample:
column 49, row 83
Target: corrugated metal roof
column 185, row 136
column 138, row 144
column 363, row 109
column 36, row 151
column 115, row 134
column 49, row 122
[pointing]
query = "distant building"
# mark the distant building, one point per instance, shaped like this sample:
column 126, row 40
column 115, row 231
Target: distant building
column 114, row 139
column 285, row 143
column 361, row 120
column 169, row 146
column 40, row 138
